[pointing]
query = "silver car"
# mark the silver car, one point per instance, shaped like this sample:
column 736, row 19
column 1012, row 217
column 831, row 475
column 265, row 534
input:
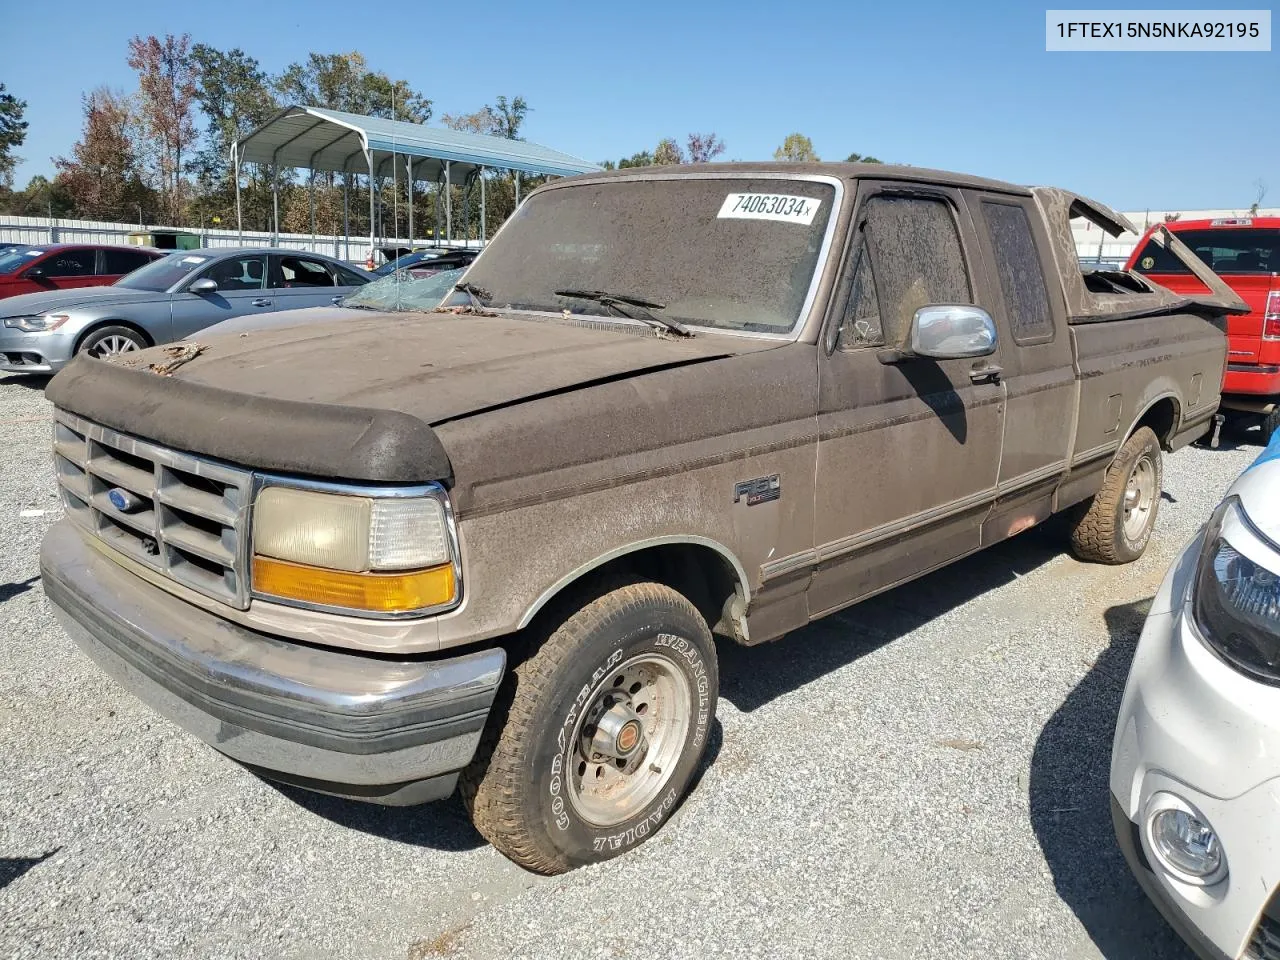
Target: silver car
column 166, row 300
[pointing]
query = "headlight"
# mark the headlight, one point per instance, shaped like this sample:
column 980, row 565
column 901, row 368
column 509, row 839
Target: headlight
column 50, row 321
column 1237, row 595
column 390, row 555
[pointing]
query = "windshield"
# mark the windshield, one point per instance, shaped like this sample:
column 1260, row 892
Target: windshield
column 160, row 275
column 14, row 260
column 734, row 253
column 404, row 293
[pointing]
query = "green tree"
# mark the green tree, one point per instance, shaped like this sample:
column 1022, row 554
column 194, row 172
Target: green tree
column 667, row 152
column 797, row 147
column 343, row 81
column 13, row 131
column 503, row 118
column 642, row 159
column 235, row 96
column 859, row 158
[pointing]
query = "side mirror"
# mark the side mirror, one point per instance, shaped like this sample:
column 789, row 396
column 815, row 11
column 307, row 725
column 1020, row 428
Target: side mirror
column 952, row 332
column 35, row 273
column 202, row 286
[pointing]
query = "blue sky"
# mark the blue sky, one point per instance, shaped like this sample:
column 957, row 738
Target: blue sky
column 928, row 83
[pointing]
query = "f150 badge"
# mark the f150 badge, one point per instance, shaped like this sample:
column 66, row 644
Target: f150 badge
column 759, row 490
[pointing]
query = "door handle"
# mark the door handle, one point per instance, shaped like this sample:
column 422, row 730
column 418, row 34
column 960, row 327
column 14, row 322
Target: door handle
column 335, row 299
column 262, row 302
column 987, row 373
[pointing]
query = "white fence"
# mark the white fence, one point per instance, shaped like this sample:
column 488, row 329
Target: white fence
column 37, row 230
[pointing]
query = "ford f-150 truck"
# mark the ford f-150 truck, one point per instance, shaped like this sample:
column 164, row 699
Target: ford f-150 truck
column 493, row 545
column 1245, row 253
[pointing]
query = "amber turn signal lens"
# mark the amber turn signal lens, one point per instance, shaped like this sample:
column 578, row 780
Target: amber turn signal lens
column 375, row 592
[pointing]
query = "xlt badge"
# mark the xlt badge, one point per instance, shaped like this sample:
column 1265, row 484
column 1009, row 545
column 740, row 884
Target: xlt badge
column 759, row 490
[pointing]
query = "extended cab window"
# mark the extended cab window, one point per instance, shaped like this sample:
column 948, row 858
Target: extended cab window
column 1026, row 299
column 909, row 256
column 1224, row 250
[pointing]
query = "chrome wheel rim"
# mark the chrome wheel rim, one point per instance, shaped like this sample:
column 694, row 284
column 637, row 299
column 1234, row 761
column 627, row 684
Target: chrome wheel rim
column 628, row 740
column 1139, row 498
column 112, row 346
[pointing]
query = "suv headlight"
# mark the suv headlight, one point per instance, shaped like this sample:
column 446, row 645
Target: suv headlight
column 50, row 321
column 354, row 553
column 1236, row 603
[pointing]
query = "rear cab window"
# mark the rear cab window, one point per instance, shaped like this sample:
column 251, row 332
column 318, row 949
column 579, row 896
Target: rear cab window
column 1018, row 268
column 1225, row 250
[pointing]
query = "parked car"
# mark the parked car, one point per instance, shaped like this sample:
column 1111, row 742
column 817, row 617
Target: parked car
column 394, row 294
column 429, row 261
column 68, row 266
column 491, row 545
column 1195, row 770
column 1245, row 252
column 165, row 300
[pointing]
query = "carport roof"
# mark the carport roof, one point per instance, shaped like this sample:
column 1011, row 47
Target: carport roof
column 316, row 138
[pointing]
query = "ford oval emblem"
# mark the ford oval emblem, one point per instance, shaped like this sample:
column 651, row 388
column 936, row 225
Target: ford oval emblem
column 123, row 500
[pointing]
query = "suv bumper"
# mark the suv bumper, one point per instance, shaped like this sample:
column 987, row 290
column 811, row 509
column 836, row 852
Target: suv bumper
column 393, row 731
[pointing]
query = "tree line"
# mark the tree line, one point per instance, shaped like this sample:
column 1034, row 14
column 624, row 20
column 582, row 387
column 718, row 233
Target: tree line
column 161, row 152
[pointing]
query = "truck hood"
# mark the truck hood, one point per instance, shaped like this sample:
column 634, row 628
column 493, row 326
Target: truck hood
column 29, row 304
column 360, row 403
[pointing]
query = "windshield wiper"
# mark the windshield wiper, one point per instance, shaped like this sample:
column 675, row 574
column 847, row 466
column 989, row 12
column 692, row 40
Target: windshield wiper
column 640, row 308
column 478, row 295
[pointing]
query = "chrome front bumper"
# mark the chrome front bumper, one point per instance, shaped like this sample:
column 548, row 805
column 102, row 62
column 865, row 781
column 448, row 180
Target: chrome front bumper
column 374, row 728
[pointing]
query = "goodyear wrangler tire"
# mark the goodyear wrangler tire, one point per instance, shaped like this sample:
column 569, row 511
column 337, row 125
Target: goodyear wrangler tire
column 606, row 724
column 1115, row 525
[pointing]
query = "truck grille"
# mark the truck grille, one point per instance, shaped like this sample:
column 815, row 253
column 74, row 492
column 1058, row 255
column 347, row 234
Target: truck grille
column 1265, row 942
column 185, row 517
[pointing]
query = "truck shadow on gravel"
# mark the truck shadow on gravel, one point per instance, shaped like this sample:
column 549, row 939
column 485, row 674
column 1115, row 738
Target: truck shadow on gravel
column 751, row 677
column 32, row 381
column 1071, row 812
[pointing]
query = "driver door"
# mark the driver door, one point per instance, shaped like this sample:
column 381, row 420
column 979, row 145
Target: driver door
column 908, row 448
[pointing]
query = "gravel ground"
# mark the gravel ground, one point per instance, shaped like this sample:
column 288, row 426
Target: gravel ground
column 923, row 776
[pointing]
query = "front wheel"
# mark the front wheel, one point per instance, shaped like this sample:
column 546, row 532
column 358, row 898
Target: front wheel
column 605, row 726
column 1115, row 526
column 107, row 343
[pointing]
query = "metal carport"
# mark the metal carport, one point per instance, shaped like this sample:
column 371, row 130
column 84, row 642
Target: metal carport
column 331, row 141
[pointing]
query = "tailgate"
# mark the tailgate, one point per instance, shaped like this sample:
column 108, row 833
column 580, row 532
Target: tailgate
column 1243, row 330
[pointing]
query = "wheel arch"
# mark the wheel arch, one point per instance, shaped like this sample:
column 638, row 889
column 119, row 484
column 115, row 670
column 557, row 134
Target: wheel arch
column 704, row 570
column 1163, row 414
column 95, row 325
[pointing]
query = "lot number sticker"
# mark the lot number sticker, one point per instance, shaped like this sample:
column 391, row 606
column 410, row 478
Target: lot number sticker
column 769, row 206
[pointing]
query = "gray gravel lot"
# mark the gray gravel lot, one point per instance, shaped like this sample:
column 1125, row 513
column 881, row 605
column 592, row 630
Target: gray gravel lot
column 922, row 776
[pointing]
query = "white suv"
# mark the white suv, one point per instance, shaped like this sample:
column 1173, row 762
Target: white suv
column 1195, row 770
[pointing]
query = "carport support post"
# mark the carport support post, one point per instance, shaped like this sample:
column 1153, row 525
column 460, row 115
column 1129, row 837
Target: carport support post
column 408, row 175
column 235, row 166
column 346, row 219
column 517, row 188
column 368, row 155
column 311, row 191
column 482, row 226
column 448, row 201
column 275, row 205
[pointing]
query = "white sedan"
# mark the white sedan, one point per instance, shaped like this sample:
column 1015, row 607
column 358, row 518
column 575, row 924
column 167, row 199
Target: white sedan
column 1195, row 769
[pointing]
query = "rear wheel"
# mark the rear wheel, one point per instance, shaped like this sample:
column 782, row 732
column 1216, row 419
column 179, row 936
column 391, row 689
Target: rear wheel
column 106, row 343
column 604, row 728
column 1270, row 423
column 1115, row 526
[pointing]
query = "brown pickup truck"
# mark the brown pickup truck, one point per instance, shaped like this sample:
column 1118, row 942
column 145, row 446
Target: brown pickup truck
column 493, row 546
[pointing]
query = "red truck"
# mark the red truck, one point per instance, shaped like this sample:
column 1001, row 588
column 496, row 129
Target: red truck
column 1245, row 252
